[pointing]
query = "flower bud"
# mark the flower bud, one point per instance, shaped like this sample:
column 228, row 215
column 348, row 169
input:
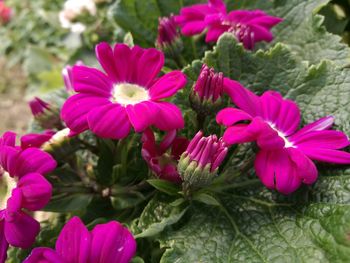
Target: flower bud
column 207, row 90
column 198, row 165
column 45, row 114
column 168, row 39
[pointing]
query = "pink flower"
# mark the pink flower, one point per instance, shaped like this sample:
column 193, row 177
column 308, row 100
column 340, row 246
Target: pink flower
column 247, row 26
column 192, row 18
column 5, row 13
column 38, row 106
column 110, row 242
column 284, row 161
column 162, row 158
column 129, row 95
column 23, row 172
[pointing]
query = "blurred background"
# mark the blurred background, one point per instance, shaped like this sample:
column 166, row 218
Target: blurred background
column 39, row 38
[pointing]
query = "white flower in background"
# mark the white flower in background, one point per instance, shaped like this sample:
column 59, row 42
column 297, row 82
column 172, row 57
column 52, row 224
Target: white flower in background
column 71, row 10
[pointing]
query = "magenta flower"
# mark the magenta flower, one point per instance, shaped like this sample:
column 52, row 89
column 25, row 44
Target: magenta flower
column 249, row 27
column 209, row 85
column 129, row 95
column 162, row 158
column 284, row 161
column 110, row 242
column 28, row 190
column 192, row 18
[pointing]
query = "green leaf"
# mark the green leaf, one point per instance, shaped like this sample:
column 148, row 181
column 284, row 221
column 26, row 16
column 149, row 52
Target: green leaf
column 206, row 199
column 68, row 202
column 258, row 228
column 157, row 215
column 165, row 186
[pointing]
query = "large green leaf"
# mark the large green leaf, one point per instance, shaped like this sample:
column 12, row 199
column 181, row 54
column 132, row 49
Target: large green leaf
column 258, row 228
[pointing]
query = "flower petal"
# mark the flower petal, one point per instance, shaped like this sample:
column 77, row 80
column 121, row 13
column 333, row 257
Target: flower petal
column 91, row 81
column 326, row 155
column 306, row 169
column 152, row 60
column 141, row 115
column 109, row 121
column 21, row 231
column 34, row 160
column 289, row 117
column 238, row 134
column 36, row 191
column 242, row 97
column 319, row 125
column 167, row 85
column 43, row 255
column 112, row 243
column 75, row 109
column 8, row 159
column 169, row 116
column 230, row 116
column 36, row 139
column 322, row 139
column 8, row 139
column 74, row 242
column 123, row 62
column 193, row 28
column 3, row 242
column 104, row 54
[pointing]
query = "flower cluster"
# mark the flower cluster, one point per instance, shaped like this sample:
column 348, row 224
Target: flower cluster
column 248, row 26
column 23, row 170
column 110, row 242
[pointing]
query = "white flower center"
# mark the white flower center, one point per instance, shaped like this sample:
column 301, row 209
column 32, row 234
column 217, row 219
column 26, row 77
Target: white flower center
column 7, row 184
column 287, row 143
column 126, row 94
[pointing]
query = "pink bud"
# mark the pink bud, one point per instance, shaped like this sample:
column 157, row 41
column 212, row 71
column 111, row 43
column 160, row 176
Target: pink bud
column 167, row 32
column 38, row 106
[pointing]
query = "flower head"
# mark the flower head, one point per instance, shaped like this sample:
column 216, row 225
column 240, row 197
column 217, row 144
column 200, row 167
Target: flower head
column 46, row 114
column 5, row 13
column 110, row 242
column 192, row 18
column 126, row 96
column 199, row 164
column 207, row 90
column 284, row 161
column 28, row 190
column 247, row 26
column 162, row 158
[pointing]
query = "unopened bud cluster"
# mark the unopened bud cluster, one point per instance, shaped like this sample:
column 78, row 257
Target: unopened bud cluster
column 199, row 164
column 207, row 91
